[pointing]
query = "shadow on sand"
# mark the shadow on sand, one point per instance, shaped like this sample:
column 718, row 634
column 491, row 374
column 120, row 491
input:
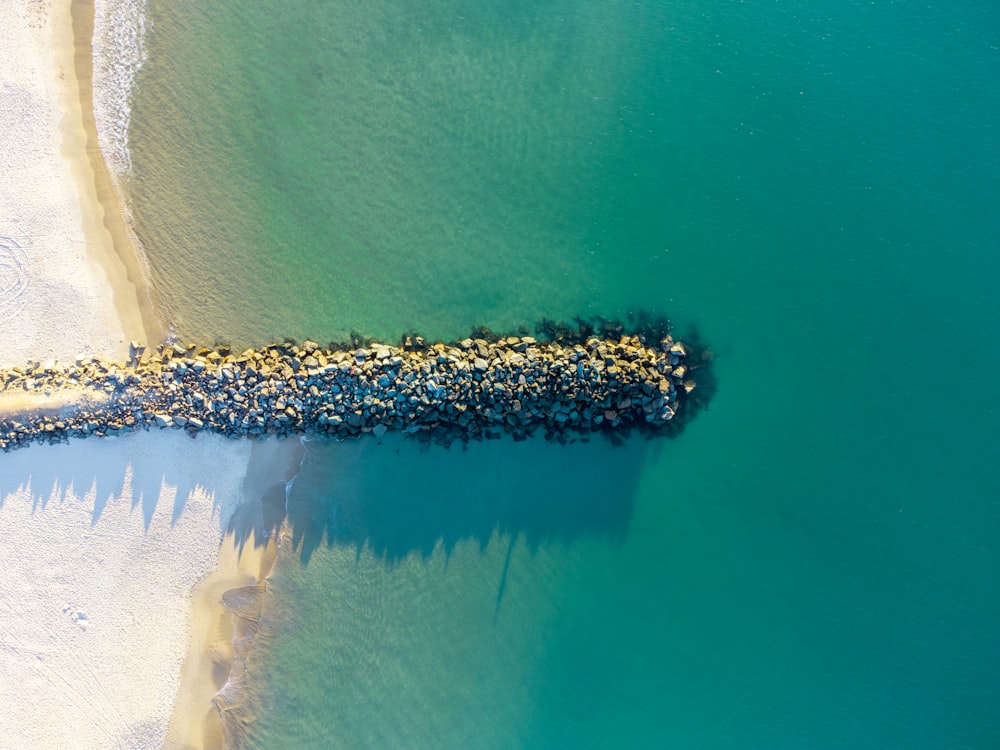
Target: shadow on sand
column 122, row 469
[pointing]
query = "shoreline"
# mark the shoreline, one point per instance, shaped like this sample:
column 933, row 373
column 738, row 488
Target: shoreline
column 194, row 721
column 197, row 721
column 107, row 545
column 247, row 611
column 218, row 639
column 112, row 548
column 106, row 211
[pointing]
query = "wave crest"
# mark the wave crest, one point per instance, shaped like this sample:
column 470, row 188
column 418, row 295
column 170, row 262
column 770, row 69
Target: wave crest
column 119, row 53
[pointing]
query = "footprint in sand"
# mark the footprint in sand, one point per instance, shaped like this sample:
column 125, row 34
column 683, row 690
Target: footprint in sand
column 78, row 616
column 13, row 275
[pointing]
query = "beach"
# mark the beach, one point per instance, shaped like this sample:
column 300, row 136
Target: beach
column 104, row 542
column 808, row 187
column 112, row 548
column 65, row 288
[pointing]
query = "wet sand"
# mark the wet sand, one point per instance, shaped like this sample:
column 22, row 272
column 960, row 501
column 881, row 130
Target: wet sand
column 113, row 571
column 196, row 723
column 246, row 558
column 104, row 542
column 106, row 210
column 62, row 288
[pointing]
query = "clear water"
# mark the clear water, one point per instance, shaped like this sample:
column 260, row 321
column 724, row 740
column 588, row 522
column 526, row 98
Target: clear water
column 813, row 563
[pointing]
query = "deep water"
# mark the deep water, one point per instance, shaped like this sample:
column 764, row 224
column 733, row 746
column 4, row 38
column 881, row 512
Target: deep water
column 814, row 562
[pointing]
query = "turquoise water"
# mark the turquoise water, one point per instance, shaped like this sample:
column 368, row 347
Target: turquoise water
column 813, row 562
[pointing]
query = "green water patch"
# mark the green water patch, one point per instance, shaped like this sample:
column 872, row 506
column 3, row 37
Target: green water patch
column 329, row 168
column 388, row 530
column 814, row 562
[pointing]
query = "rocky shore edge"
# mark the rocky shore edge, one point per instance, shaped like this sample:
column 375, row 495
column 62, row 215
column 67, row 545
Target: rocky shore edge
column 470, row 389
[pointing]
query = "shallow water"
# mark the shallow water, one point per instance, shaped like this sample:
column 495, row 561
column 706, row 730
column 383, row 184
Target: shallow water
column 813, row 562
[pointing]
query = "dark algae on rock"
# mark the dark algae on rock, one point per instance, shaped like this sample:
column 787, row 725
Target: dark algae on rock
column 481, row 387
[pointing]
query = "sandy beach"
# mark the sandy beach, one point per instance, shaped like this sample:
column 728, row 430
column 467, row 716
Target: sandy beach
column 63, row 288
column 104, row 542
column 112, row 632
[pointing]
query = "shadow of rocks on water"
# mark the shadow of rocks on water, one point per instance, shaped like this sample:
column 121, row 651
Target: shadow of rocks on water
column 402, row 495
column 398, row 497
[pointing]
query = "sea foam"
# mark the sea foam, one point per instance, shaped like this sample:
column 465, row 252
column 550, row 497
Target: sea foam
column 119, row 53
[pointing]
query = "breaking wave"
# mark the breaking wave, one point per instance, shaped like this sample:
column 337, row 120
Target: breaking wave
column 119, row 54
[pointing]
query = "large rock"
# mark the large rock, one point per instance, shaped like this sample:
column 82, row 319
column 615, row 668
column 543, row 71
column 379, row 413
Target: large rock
column 283, row 389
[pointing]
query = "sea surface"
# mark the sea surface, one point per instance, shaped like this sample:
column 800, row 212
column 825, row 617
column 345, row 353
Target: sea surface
column 812, row 185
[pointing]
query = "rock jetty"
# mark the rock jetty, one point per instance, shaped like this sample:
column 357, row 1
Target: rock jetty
column 470, row 389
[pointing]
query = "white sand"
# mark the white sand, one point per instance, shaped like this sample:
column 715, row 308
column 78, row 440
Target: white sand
column 107, row 545
column 102, row 542
column 56, row 296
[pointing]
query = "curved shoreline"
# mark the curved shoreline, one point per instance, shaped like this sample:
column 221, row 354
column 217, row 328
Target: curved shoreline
column 217, row 648
column 106, row 543
column 106, row 222
column 197, row 719
column 245, row 610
